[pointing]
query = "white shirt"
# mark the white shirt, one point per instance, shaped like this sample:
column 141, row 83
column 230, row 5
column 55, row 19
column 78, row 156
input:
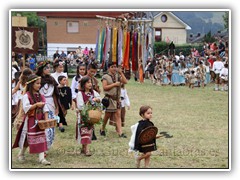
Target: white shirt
column 74, row 86
column 13, row 76
column 124, row 96
column 224, row 72
column 217, row 66
column 56, row 75
column 80, row 101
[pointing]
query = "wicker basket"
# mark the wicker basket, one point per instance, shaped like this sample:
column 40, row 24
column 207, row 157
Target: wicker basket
column 94, row 116
column 45, row 124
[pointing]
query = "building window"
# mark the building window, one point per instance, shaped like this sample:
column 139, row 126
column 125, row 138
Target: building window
column 72, row 26
column 164, row 18
column 158, row 34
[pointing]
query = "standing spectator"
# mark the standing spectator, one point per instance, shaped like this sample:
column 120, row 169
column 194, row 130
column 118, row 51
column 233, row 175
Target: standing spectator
column 171, row 49
column 224, row 77
column 86, row 51
column 217, row 67
column 56, row 55
column 32, row 63
column 221, row 48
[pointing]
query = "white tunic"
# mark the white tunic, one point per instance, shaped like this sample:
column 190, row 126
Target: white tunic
column 47, row 91
column 56, row 75
column 125, row 99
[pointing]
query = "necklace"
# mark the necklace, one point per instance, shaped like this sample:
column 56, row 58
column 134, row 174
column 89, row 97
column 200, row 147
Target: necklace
column 45, row 88
column 63, row 93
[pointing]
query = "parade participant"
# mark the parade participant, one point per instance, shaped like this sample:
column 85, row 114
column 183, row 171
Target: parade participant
column 81, row 71
column 202, row 73
column 217, row 67
column 192, row 79
column 29, row 133
column 165, row 80
column 91, row 72
column 18, row 92
column 50, row 92
column 145, row 149
column 111, row 83
column 65, row 97
column 124, row 102
column 175, row 78
column 58, row 67
column 85, row 95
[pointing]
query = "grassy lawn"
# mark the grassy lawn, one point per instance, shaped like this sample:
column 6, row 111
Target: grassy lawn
column 197, row 120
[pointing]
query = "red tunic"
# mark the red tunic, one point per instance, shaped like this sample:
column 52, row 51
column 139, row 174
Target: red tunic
column 36, row 138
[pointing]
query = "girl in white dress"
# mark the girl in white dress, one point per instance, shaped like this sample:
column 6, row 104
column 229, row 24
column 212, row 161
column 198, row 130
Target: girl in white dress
column 50, row 92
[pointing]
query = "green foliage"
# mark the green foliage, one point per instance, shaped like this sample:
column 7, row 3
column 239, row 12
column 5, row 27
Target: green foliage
column 84, row 113
column 162, row 48
column 209, row 38
column 226, row 20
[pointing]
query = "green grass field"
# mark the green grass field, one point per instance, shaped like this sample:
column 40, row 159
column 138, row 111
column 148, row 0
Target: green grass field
column 196, row 118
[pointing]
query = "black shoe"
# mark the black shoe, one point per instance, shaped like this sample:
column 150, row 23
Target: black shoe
column 122, row 136
column 61, row 129
column 94, row 136
column 102, row 133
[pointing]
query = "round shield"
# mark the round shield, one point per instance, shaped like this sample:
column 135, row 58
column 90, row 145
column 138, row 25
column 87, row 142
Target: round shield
column 148, row 134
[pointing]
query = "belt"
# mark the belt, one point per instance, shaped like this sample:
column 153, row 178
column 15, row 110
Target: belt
column 48, row 96
column 112, row 97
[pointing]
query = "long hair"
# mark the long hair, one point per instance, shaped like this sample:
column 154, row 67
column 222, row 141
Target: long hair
column 77, row 78
column 47, row 79
column 83, row 81
column 25, row 74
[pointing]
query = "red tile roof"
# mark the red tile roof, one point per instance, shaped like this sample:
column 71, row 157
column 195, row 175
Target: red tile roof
column 81, row 14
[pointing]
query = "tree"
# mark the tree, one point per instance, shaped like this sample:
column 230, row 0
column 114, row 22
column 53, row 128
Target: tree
column 209, row 38
column 225, row 19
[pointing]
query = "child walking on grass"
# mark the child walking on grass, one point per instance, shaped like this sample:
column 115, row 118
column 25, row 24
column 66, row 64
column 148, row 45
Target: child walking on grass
column 29, row 134
column 84, row 130
column 145, row 149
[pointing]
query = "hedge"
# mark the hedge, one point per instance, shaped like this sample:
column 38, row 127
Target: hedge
column 162, row 48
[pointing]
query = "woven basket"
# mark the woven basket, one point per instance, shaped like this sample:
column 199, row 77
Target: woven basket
column 45, row 124
column 94, row 116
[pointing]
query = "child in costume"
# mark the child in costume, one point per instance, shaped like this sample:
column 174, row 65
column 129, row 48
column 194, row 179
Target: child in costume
column 29, row 134
column 83, row 130
column 145, row 149
column 124, row 102
column 65, row 97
